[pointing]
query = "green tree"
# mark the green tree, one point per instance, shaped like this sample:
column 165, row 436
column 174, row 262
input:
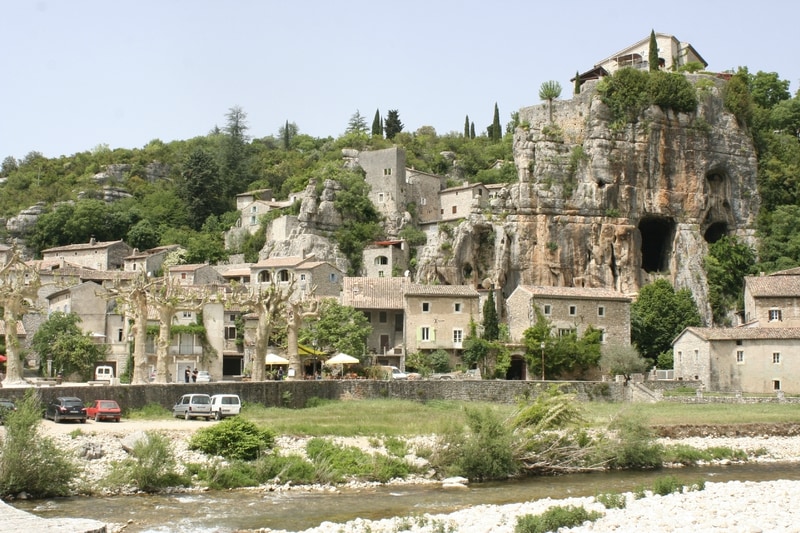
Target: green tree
column 625, row 93
column 652, row 55
column 234, row 157
column 497, row 130
column 622, row 360
column 466, row 127
column 59, row 339
column 360, row 218
column 143, row 235
column 737, row 99
column 550, row 90
column 472, row 130
column 393, row 126
column 727, row 263
column 658, row 315
column 357, row 124
column 202, row 189
column 377, row 124
column 491, row 323
column 577, row 89
column 340, row 328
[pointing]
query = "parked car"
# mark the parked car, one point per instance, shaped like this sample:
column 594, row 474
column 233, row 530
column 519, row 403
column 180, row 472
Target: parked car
column 203, row 376
column 104, row 410
column 6, row 406
column 223, row 405
column 392, row 372
column 193, row 406
column 65, row 408
column 104, row 373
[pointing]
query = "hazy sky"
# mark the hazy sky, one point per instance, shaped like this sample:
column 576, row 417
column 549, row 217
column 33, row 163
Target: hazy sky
column 80, row 73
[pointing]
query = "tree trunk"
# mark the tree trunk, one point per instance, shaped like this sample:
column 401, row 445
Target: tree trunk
column 13, row 363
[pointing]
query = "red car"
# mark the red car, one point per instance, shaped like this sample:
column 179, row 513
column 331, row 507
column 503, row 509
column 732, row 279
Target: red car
column 104, row 410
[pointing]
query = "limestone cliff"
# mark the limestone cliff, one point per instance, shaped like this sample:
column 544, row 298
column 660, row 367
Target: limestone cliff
column 597, row 206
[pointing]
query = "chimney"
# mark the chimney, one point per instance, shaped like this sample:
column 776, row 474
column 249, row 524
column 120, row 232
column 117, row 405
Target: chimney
column 92, row 241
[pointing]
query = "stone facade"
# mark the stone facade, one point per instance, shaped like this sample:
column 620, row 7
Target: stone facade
column 752, row 360
column 570, row 309
column 108, row 255
column 385, row 259
column 773, row 300
column 438, row 317
column 459, row 202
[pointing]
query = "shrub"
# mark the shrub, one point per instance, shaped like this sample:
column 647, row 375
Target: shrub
column 233, row 438
column 284, row 469
column 635, row 447
column 151, row 467
column 555, row 518
column 612, row 500
column 236, row 474
column 667, row 485
column 669, row 90
column 334, row 463
column 30, row 462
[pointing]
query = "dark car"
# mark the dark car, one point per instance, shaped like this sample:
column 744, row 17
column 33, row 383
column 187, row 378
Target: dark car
column 6, row 406
column 104, row 410
column 66, row 408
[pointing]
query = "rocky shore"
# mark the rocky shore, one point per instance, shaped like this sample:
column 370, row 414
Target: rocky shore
column 746, row 507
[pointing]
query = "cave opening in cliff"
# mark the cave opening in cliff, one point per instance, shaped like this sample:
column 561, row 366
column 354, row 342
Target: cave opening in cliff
column 715, row 232
column 657, row 234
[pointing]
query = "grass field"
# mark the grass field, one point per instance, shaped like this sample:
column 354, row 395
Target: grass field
column 402, row 417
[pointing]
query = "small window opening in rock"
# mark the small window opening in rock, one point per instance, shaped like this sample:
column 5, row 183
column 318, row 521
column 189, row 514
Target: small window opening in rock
column 715, row 232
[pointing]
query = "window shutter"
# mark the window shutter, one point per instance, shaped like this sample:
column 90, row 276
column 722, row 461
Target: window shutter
column 419, row 334
column 433, row 334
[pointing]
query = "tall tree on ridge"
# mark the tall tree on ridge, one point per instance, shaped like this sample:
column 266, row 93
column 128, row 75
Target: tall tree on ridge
column 393, row 125
column 357, row 123
column 577, row 89
column 466, row 128
column 472, row 130
column 202, row 188
column 491, row 324
column 652, row 56
column 234, row 154
column 377, row 124
column 497, row 130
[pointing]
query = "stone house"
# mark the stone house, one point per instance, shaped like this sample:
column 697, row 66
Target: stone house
column 570, row 309
column 108, row 255
column 310, row 274
column 672, row 54
column 773, row 300
column 438, row 316
column 149, row 261
column 424, row 189
column 381, row 301
column 385, row 259
column 458, row 202
column 751, row 360
column 197, row 274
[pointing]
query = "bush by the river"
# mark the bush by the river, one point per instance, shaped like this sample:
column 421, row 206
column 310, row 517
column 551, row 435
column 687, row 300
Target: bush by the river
column 233, row 438
column 150, row 467
column 554, row 518
column 30, row 462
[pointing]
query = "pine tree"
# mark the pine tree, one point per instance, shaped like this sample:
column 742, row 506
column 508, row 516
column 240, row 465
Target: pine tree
column 393, row 125
column 357, row 123
column 577, row 83
column 466, row 128
column 653, row 55
column 491, row 324
column 472, row 130
column 497, row 130
column 377, row 124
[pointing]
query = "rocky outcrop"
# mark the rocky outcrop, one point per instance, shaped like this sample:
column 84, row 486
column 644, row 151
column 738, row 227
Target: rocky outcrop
column 603, row 206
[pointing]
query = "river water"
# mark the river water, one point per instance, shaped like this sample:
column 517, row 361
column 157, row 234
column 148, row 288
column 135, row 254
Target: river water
column 226, row 511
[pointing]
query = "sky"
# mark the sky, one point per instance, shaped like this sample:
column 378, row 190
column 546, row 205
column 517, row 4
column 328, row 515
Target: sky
column 78, row 74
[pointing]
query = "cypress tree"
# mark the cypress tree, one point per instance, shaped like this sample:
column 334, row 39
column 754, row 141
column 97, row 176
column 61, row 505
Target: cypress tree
column 491, row 325
column 497, row 131
column 377, row 125
column 286, row 136
column 577, row 83
column 466, row 128
column 472, row 130
column 653, row 55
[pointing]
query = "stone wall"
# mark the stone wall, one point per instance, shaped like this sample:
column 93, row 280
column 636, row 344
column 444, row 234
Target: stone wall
column 296, row 393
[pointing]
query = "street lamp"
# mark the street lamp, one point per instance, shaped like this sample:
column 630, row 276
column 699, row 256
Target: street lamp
column 542, row 347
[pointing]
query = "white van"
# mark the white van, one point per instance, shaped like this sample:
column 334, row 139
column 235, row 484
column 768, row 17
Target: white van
column 223, row 405
column 104, row 373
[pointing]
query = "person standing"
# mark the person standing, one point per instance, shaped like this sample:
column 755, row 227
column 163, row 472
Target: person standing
column 186, row 375
column 194, row 376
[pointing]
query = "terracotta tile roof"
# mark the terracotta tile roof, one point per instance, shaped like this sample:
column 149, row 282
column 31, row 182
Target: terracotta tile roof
column 583, row 293
column 187, row 268
column 418, row 289
column 275, row 262
column 773, row 285
column 713, row 334
column 153, row 251
column 789, row 272
column 373, row 293
column 235, row 272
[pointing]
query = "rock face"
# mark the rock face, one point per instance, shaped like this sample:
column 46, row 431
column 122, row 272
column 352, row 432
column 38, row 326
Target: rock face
column 601, row 206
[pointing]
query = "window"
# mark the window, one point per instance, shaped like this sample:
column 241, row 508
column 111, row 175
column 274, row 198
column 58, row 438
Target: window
column 187, row 314
column 283, row 275
column 183, row 275
column 119, row 334
column 382, row 317
column 230, row 333
column 457, row 307
column 302, row 277
column 398, row 322
column 740, row 356
column 601, row 311
column 425, row 333
column 455, row 209
column 563, row 332
column 776, row 358
column 380, row 273
column 426, row 307
column 369, row 316
column 186, row 344
column 381, row 260
column 776, row 384
column 458, row 336
column 380, row 197
column 423, row 201
column 774, row 315
column 680, row 356
column 573, row 310
column 547, row 309
column 603, row 337
column 264, row 276
column 387, row 171
column 332, row 277
column 253, row 221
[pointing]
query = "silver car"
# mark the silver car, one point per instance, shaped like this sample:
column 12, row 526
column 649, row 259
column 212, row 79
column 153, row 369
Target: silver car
column 193, row 406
